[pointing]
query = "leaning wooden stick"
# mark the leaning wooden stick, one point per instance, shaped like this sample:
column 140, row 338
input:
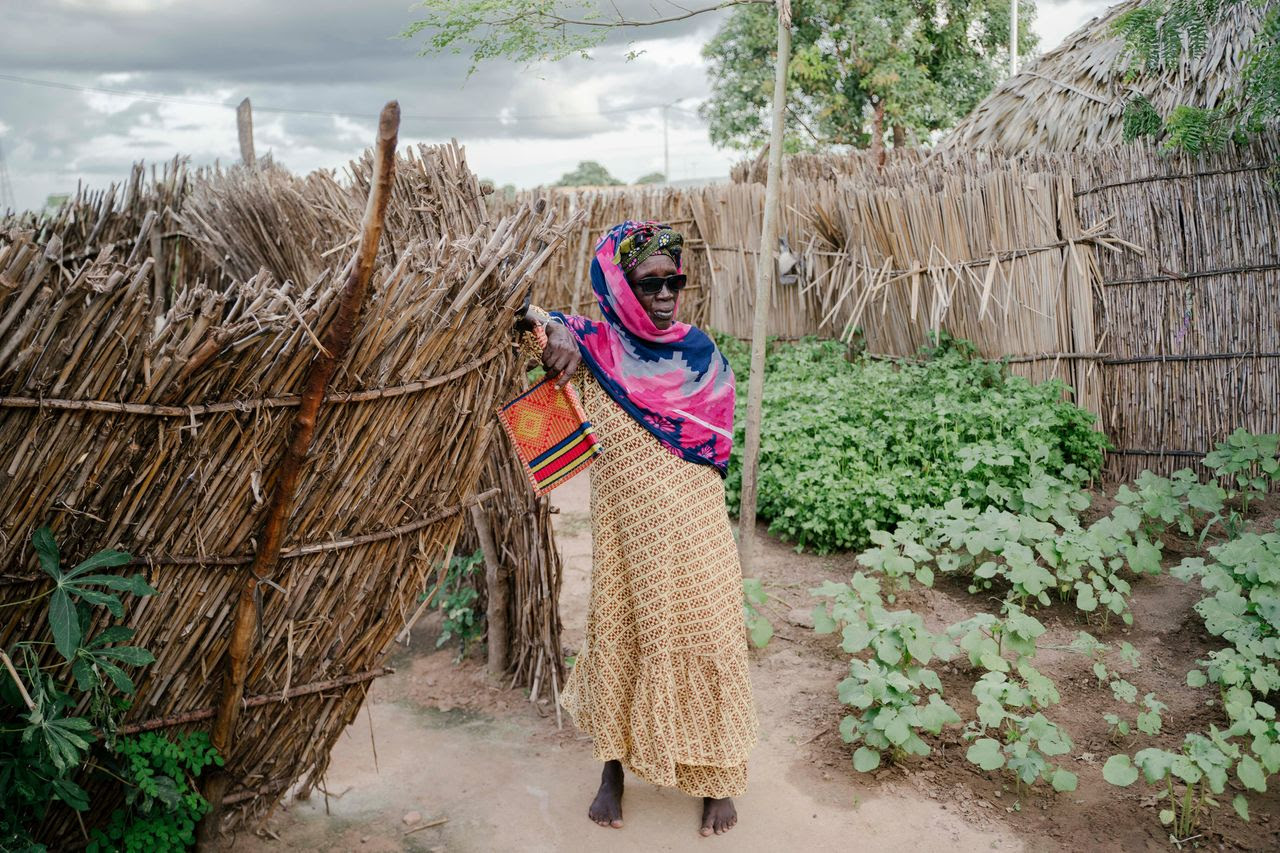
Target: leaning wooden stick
column 333, row 348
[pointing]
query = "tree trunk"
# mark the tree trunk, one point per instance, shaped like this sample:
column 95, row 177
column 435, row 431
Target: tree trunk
column 764, row 280
column 899, row 136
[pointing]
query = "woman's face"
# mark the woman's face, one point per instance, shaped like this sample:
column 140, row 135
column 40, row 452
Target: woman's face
column 660, row 306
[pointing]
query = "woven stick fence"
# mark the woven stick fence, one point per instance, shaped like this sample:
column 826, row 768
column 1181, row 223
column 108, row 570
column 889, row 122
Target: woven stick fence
column 160, row 437
column 1147, row 282
column 529, row 572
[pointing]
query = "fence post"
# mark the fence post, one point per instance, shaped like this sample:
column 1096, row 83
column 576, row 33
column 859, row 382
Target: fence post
column 244, row 127
column 288, row 469
column 760, row 317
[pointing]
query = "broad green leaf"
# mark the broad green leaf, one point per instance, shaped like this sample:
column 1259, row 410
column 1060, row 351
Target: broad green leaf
column 100, row 599
column 1241, row 804
column 822, row 621
column 99, row 560
column 985, row 752
column 136, row 584
column 64, row 622
column 1251, row 775
column 70, row 793
column 761, row 631
column 118, row 677
column 47, row 550
column 1063, row 780
column 1119, row 771
column 128, row 655
column 865, row 760
column 1196, row 678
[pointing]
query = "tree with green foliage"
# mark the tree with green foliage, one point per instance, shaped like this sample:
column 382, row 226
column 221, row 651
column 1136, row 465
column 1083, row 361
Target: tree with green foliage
column 1158, row 33
column 588, row 174
column 651, row 178
column 861, row 69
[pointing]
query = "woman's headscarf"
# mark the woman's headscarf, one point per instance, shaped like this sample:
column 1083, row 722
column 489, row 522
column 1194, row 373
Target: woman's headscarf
column 673, row 381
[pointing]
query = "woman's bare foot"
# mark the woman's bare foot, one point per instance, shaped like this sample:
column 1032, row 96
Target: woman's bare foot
column 606, row 808
column 718, row 816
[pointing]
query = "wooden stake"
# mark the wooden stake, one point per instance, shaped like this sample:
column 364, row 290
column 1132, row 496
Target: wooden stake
column 337, row 339
column 496, row 585
column 244, row 127
column 764, row 282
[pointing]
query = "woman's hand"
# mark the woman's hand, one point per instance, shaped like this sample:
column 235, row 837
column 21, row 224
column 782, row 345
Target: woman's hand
column 560, row 356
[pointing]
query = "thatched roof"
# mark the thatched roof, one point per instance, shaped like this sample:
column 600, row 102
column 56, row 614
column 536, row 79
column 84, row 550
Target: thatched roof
column 1074, row 96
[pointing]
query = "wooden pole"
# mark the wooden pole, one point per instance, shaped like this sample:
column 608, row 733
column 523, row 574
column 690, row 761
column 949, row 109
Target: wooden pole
column 764, row 280
column 496, row 584
column 333, row 348
column 244, row 126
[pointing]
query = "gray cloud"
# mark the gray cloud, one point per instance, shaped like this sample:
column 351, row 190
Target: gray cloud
column 335, row 56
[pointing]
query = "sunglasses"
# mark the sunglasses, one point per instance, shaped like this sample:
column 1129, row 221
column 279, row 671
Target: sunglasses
column 653, row 285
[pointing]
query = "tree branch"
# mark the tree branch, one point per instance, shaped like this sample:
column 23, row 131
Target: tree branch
column 22, row 688
column 620, row 21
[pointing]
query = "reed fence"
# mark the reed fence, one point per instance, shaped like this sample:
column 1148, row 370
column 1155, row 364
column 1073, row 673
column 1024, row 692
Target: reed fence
column 148, row 416
column 1147, row 282
column 528, row 569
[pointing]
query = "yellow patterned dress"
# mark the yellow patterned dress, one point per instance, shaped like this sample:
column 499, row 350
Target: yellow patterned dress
column 661, row 682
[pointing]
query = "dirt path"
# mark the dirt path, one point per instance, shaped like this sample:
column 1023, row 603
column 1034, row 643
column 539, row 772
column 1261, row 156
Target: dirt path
column 451, row 744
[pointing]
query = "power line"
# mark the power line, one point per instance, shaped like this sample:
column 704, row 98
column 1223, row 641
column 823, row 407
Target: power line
column 175, row 99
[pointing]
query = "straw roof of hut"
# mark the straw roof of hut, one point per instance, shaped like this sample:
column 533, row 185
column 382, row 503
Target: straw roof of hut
column 1074, row 96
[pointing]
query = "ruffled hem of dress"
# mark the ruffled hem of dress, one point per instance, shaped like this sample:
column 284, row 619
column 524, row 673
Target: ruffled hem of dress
column 645, row 737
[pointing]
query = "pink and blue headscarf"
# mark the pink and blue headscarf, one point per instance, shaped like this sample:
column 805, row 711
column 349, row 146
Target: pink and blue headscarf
column 673, row 381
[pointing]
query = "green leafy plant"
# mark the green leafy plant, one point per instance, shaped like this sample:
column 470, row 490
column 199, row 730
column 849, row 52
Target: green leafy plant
column 895, row 696
column 42, row 759
column 459, row 602
column 920, row 434
column 759, row 628
column 1013, row 733
column 1249, row 462
column 1187, row 780
column 1159, row 33
column 162, row 803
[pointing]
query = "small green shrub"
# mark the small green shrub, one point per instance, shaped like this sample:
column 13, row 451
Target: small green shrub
column 459, row 600
column 162, row 803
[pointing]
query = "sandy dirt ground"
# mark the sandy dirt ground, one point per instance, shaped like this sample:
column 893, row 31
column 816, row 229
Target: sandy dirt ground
column 441, row 741
column 445, row 759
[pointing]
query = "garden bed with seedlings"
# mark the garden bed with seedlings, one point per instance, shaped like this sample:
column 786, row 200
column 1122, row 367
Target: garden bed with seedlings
column 1092, row 661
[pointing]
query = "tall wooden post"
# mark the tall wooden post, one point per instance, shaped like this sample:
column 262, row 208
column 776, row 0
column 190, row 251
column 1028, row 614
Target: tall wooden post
column 496, row 587
column 288, row 468
column 764, row 282
column 244, row 126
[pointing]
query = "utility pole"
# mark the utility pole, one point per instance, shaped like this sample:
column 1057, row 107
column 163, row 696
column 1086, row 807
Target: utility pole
column 1013, row 37
column 6, row 189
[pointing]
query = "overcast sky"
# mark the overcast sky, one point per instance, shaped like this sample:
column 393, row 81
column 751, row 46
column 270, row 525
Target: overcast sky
column 342, row 60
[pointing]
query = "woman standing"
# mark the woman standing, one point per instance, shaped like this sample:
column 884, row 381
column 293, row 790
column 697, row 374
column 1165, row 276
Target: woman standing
column 661, row 683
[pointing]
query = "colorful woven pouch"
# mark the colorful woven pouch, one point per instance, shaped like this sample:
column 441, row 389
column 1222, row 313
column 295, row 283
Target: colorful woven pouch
column 551, row 434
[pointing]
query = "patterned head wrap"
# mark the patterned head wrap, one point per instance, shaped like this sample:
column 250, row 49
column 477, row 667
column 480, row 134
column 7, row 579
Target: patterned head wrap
column 673, row 381
column 644, row 240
